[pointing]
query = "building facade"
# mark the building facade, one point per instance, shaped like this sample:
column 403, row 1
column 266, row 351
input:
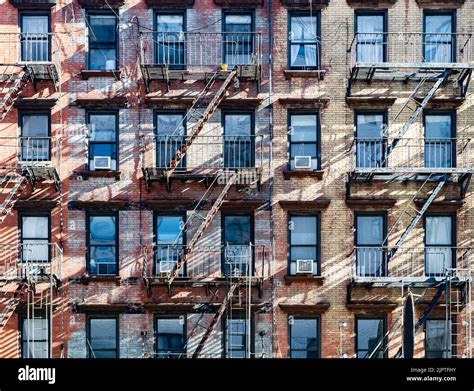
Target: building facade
column 236, row 179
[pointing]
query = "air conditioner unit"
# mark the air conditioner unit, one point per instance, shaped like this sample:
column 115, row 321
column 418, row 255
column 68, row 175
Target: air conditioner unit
column 102, row 163
column 304, row 266
column 302, row 161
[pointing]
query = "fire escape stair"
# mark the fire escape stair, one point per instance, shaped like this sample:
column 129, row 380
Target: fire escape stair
column 12, row 184
column 11, row 305
column 13, row 86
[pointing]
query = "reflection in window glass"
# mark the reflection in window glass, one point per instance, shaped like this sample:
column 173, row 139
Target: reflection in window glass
column 369, row 239
column 438, row 342
column 439, row 245
column 439, row 38
column 170, row 240
column 102, row 245
column 370, row 338
column 303, row 241
column 102, row 42
column 371, row 145
column 303, row 41
column 35, row 338
column 439, row 142
column 170, row 337
column 236, row 342
column 238, row 151
column 304, row 139
column 304, row 338
column 102, row 339
column 371, row 45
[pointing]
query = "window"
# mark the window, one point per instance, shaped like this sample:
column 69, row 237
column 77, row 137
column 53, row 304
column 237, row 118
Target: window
column 170, row 40
column 170, row 128
column 304, row 146
column 236, row 338
column 35, row 238
column 102, row 41
column 34, row 338
column 370, row 144
column 304, row 337
column 439, row 244
column 102, row 341
column 237, row 238
column 438, row 338
column 370, row 236
column 303, row 241
column 35, row 137
column 371, row 36
column 103, row 244
column 370, row 338
column 169, row 242
column 170, row 337
column 103, row 130
column 439, row 140
column 303, row 40
column 238, row 140
column 35, row 44
column 238, row 38
column 439, row 39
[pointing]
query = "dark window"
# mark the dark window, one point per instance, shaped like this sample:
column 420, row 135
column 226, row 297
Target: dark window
column 370, row 235
column 170, row 337
column 35, row 39
column 102, row 41
column 371, row 36
column 439, row 39
column 35, row 137
column 303, row 244
column 102, row 341
column 237, row 239
column 438, row 338
column 34, row 338
column 304, row 337
column 103, row 244
column 236, row 338
column 439, row 244
column 370, row 334
column 439, row 142
column 303, row 40
column 35, row 238
column 238, row 38
column 370, row 142
column 170, row 241
column 170, row 131
column 304, row 143
column 170, row 40
column 238, row 141
column 103, row 140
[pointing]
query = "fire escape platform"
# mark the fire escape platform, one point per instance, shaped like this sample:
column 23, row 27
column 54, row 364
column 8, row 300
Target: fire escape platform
column 414, row 282
column 209, row 281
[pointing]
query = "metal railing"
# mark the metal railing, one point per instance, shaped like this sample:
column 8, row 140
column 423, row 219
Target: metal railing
column 410, row 263
column 20, row 152
column 205, row 152
column 206, row 262
column 404, row 48
column 29, row 48
column 30, row 259
column 374, row 154
column 185, row 50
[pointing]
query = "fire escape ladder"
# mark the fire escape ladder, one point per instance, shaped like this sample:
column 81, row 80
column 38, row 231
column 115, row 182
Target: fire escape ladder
column 204, row 224
column 415, row 112
column 201, row 119
column 6, row 206
column 14, row 85
column 11, row 305
column 215, row 320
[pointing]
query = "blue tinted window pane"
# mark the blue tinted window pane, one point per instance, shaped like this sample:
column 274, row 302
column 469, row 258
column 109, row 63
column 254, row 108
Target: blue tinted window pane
column 304, row 338
column 102, row 230
column 103, row 150
column 369, row 335
column 103, row 58
column 237, row 230
column 303, row 230
column 102, row 28
column 102, row 127
column 369, row 126
column 170, row 229
column 370, row 230
column 103, row 338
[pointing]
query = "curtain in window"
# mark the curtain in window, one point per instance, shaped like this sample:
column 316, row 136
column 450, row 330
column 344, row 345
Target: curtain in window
column 438, row 252
column 35, row 235
column 370, row 38
column 438, row 141
column 34, row 336
column 370, row 255
column 438, row 38
column 370, row 147
column 170, row 40
column 35, row 142
column 303, row 38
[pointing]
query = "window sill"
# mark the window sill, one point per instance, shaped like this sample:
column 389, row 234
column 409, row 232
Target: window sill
column 318, row 174
column 87, row 73
column 290, row 279
column 98, row 174
column 86, row 279
column 296, row 73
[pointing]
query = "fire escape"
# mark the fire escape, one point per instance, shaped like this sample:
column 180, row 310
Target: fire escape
column 396, row 156
column 191, row 155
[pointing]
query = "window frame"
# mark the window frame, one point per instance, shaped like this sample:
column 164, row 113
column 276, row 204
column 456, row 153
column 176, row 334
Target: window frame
column 317, row 14
column 22, row 214
column 452, row 332
column 32, row 113
column 108, row 45
column 225, row 13
column 182, row 165
column 251, row 113
column 88, row 334
column 440, row 12
column 383, row 138
column 156, row 215
column 157, row 317
column 23, row 318
column 90, row 214
column 317, row 215
column 374, row 12
column 115, row 113
column 238, row 315
column 453, row 139
column 384, row 346
column 318, row 334
column 32, row 12
column 290, row 114
column 157, row 13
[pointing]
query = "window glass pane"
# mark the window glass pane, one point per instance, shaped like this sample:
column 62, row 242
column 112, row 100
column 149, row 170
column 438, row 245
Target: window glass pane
column 102, row 230
column 438, row 24
column 170, row 23
column 170, row 334
column 370, row 24
column 369, row 126
column 303, row 150
column 102, row 28
column 169, row 229
column 104, row 58
column 238, row 23
column 307, row 252
column 303, row 28
column 438, row 126
column 438, row 230
column 103, row 336
column 303, row 55
column 169, row 124
column 102, row 127
column 370, row 230
column 34, row 336
column 369, row 334
column 304, row 127
column 303, row 230
column 35, row 126
column 236, row 338
column 103, row 150
column 437, row 338
column 237, row 230
column 237, row 125
column 35, row 227
column 34, row 24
